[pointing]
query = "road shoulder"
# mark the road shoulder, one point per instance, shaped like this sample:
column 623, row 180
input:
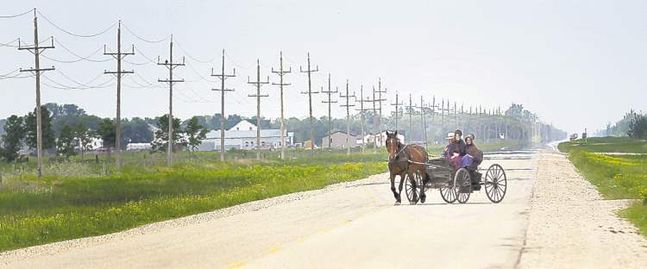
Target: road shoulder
column 570, row 225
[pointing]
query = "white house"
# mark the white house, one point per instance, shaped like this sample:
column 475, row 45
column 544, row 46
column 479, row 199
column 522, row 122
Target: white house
column 243, row 136
column 379, row 139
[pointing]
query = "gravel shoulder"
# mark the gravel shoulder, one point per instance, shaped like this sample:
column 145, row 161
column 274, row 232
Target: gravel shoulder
column 571, row 226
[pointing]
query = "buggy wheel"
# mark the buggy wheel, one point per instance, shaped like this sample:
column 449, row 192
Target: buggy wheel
column 413, row 193
column 448, row 192
column 463, row 185
column 496, row 183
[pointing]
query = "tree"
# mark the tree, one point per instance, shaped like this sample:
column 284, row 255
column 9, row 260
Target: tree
column 83, row 137
column 135, row 130
column 160, row 143
column 107, row 134
column 66, row 142
column 13, row 138
column 195, row 133
column 638, row 126
column 49, row 140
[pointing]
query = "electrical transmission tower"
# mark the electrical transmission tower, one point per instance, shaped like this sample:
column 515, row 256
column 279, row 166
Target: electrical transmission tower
column 119, row 56
column 36, row 49
column 397, row 105
column 348, row 105
column 170, row 65
column 329, row 92
column 310, row 93
column 282, row 72
column 258, row 96
column 222, row 76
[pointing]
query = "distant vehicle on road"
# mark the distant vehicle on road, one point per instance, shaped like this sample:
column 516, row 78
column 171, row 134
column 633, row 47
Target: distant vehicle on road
column 573, row 137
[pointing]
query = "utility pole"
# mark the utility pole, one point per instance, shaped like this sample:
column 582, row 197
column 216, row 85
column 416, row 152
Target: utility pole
column 423, row 118
column 258, row 96
column 361, row 111
column 222, row 76
column 310, row 93
column 380, row 100
column 119, row 55
column 329, row 92
column 410, row 112
column 455, row 115
column 397, row 105
column 347, row 106
column 282, row 72
column 36, row 49
column 442, row 113
column 170, row 65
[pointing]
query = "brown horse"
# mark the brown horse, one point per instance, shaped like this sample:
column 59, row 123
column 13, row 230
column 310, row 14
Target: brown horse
column 406, row 160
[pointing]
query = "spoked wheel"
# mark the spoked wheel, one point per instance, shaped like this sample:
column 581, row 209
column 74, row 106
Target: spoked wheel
column 449, row 193
column 496, row 183
column 413, row 193
column 463, row 185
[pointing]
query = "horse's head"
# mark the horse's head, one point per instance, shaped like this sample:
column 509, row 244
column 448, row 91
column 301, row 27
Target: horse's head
column 392, row 144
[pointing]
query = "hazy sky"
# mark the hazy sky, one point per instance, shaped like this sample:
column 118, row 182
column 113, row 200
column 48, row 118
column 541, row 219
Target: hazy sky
column 576, row 63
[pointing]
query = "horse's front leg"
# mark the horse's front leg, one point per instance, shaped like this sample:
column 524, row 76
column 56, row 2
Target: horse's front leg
column 395, row 194
column 402, row 179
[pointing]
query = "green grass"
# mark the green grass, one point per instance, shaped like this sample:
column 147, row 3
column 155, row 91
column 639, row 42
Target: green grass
column 37, row 211
column 615, row 176
column 606, row 144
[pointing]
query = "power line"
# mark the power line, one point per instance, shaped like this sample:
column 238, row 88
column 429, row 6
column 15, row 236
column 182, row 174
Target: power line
column 194, row 58
column 75, row 34
column 79, row 56
column 61, row 86
column 9, row 44
column 17, row 15
column 152, row 41
column 79, row 83
column 87, row 58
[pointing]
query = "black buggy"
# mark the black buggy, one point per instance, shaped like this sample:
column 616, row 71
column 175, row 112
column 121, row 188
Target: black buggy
column 456, row 185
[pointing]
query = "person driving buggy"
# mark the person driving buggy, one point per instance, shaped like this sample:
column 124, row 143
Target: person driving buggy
column 476, row 156
column 455, row 150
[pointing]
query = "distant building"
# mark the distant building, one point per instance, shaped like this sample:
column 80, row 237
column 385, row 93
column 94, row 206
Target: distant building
column 243, row 136
column 339, row 140
column 379, row 140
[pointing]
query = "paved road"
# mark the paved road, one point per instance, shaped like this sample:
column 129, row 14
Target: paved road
column 350, row 225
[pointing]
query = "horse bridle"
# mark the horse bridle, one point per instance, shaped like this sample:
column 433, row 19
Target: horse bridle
column 399, row 152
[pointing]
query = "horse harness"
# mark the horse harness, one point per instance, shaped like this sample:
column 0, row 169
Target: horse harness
column 408, row 159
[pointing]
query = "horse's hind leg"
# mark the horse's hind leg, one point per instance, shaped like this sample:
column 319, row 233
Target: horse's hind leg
column 424, row 180
column 414, row 186
column 395, row 194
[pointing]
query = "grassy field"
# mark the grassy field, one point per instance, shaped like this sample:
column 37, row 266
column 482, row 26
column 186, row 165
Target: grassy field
column 615, row 176
column 77, row 200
